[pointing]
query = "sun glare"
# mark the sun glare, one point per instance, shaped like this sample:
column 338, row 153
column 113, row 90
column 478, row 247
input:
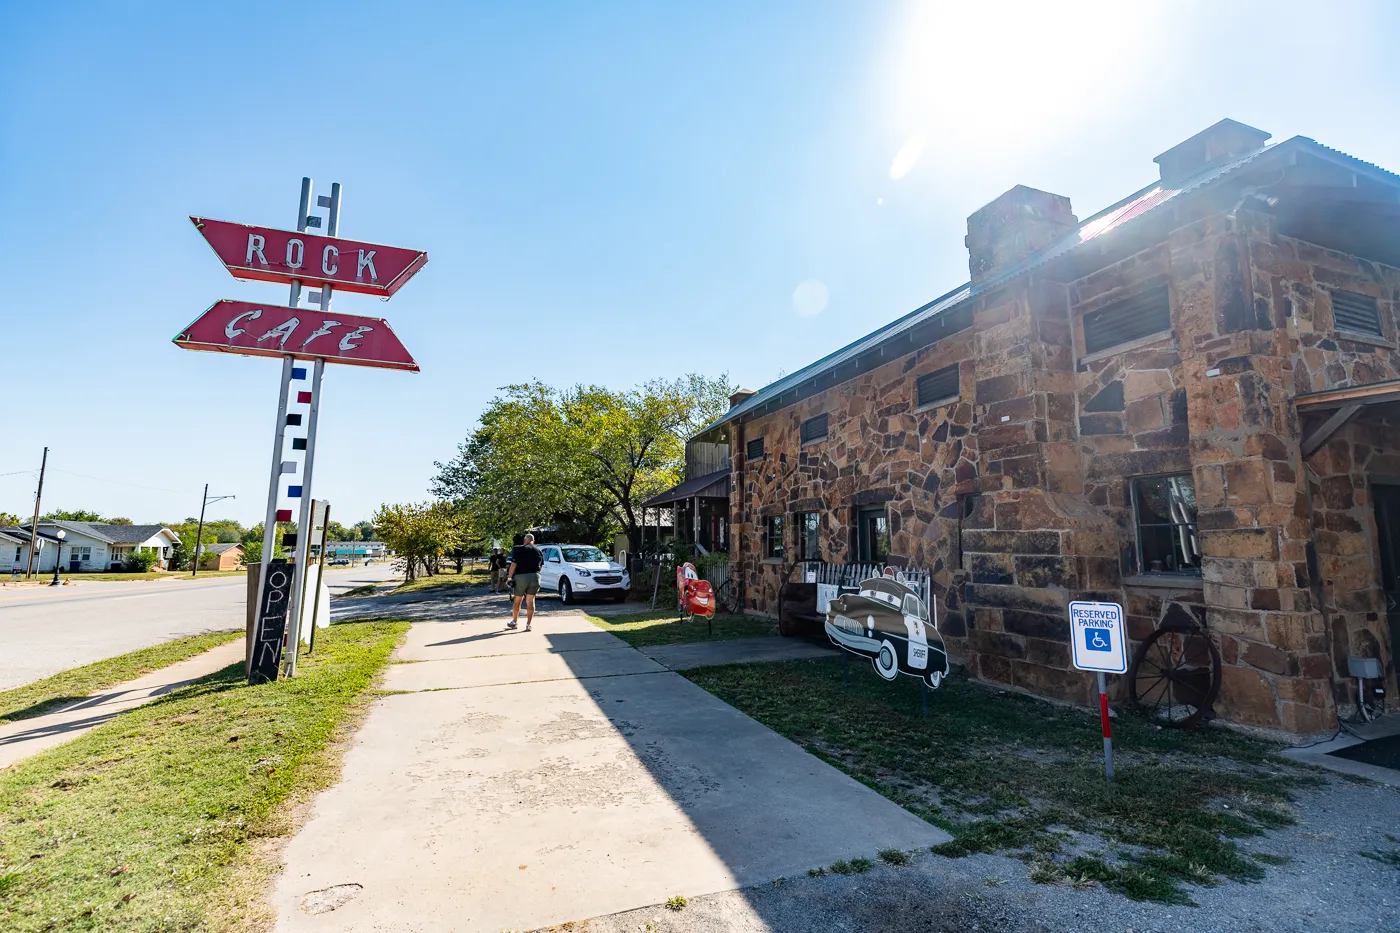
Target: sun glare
column 974, row 82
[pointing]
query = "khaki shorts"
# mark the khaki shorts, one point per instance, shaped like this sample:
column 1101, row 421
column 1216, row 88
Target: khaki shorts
column 527, row 584
column 498, row 578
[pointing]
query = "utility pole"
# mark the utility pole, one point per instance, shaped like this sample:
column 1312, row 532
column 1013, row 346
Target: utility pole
column 34, row 528
column 199, row 535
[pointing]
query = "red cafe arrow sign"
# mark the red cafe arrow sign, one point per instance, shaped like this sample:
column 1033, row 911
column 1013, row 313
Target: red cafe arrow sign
column 270, row 330
column 270, row 255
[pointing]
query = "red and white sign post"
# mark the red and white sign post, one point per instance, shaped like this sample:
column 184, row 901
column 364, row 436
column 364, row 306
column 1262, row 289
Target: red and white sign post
column 309, row 334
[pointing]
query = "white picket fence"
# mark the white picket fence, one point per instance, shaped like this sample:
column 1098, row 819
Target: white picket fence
column 850, row 575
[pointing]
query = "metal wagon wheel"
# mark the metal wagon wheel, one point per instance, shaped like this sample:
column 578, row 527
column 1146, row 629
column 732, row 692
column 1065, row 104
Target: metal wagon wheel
column 727, row 598
column 1175, row 676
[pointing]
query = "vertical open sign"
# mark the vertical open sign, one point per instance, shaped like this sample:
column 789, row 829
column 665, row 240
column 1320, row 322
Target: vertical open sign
column 1100, row 645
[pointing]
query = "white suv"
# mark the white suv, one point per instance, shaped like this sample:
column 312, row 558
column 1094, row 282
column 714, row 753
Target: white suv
column 576, row 570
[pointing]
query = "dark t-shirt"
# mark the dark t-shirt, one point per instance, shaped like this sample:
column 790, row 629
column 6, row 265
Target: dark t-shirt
column 527, row 559
column 498, row 562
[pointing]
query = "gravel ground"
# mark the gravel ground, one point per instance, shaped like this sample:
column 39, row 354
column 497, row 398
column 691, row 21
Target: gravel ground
column 1327, row 885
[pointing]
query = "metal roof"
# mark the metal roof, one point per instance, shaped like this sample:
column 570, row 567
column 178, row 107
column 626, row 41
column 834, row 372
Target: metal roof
column 699, row 486
column 1111, row 219
column 112, row 534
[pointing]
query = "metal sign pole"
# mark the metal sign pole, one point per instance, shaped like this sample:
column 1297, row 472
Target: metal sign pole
column 270, row 520
column 303, row 545
column 320, row 576
column 1107, row 730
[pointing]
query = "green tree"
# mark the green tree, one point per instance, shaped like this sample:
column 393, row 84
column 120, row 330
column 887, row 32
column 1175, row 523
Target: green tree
column 10, row 520
column 583, row 458
column 73, row 515
column 420, row 533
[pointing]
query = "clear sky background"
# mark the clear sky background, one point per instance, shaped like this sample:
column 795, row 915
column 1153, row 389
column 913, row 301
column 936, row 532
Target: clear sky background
column 607, row 193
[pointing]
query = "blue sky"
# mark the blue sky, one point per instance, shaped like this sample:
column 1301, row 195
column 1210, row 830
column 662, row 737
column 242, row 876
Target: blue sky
column 607, row 192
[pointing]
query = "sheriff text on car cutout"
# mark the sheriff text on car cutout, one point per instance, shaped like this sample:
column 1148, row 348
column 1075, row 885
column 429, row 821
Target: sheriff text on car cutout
column 888, row 623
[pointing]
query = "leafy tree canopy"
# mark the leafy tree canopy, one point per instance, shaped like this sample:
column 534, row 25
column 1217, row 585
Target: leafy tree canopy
column 74, row 515
column 421, row 533
column 583, row 458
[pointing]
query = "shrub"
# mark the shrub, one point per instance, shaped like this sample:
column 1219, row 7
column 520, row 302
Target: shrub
column 140, row 560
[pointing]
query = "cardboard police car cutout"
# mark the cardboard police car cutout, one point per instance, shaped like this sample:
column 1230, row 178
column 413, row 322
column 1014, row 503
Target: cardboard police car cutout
column 888, row 623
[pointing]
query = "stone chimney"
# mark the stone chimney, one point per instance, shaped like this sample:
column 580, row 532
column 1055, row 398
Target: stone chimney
column 740, row 395
column 1011, row 228
column 1220, row 143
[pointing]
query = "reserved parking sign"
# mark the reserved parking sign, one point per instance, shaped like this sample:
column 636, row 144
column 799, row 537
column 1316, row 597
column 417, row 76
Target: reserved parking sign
column 1096, row 630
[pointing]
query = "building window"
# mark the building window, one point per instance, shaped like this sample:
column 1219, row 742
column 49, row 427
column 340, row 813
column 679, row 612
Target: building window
column 754, row 451
column 872, row 535
column 814, row 429
column 1360, row 314
column 1142, row 315
column 1165, row 511
column 773, row 538
column 937, row 387
column 809, row 535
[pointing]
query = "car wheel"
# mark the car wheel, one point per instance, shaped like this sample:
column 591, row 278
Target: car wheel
column 887, row 662
column 566, row 592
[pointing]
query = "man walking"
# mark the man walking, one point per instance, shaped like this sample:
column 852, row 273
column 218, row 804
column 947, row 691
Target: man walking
column 497, row 566
column 524, row 579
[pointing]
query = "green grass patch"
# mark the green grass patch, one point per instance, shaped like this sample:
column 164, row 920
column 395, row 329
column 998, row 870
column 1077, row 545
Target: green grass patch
column 472, row 575
column 1008, row 773
column 52, row 692
column 645, row 629
column 893, row 856
column 149, row 822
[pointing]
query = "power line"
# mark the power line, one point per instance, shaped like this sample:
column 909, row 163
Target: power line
column 117, row 482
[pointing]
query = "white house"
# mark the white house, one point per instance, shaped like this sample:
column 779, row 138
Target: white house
column 92, row 546
column 14, row 548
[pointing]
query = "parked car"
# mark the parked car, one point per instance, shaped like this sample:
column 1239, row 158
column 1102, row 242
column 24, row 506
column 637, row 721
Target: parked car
column 888, row 623
column 577, row 570
column 339, row 562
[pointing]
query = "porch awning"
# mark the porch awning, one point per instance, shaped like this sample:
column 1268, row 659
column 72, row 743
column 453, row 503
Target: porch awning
column 1340, row 406
column 713, row 485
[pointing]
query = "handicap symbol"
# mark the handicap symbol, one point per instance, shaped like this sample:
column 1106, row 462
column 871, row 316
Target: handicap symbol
column 1097, row 639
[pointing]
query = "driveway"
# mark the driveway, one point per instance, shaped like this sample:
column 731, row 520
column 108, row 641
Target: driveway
column 527, row 779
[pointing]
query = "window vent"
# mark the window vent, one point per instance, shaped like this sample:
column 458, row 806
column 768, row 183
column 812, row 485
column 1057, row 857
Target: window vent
column 814, row 429
column 938, row 386
column 1359, row 314
column 755, row 449
column 1140, row 316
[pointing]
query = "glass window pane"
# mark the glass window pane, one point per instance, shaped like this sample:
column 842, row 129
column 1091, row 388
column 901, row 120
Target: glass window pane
column 1166, row 524
column 775, row 536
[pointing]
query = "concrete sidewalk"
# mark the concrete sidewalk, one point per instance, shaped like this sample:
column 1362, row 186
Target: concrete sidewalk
column 19, row 740
column 536, row 778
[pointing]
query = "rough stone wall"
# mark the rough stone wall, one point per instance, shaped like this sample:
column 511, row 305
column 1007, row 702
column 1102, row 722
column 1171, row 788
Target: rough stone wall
column 880, row 448
column 1344, row 522
column 1018, row 495
column 1347, row 585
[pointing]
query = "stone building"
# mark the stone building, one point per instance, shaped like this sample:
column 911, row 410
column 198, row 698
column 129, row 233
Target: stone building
column 1188, row 403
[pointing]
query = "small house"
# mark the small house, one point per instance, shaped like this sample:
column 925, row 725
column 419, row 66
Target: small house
column 221, row 556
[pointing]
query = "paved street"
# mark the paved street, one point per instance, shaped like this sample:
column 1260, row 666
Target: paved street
column 44, row 630
column 519, row 779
